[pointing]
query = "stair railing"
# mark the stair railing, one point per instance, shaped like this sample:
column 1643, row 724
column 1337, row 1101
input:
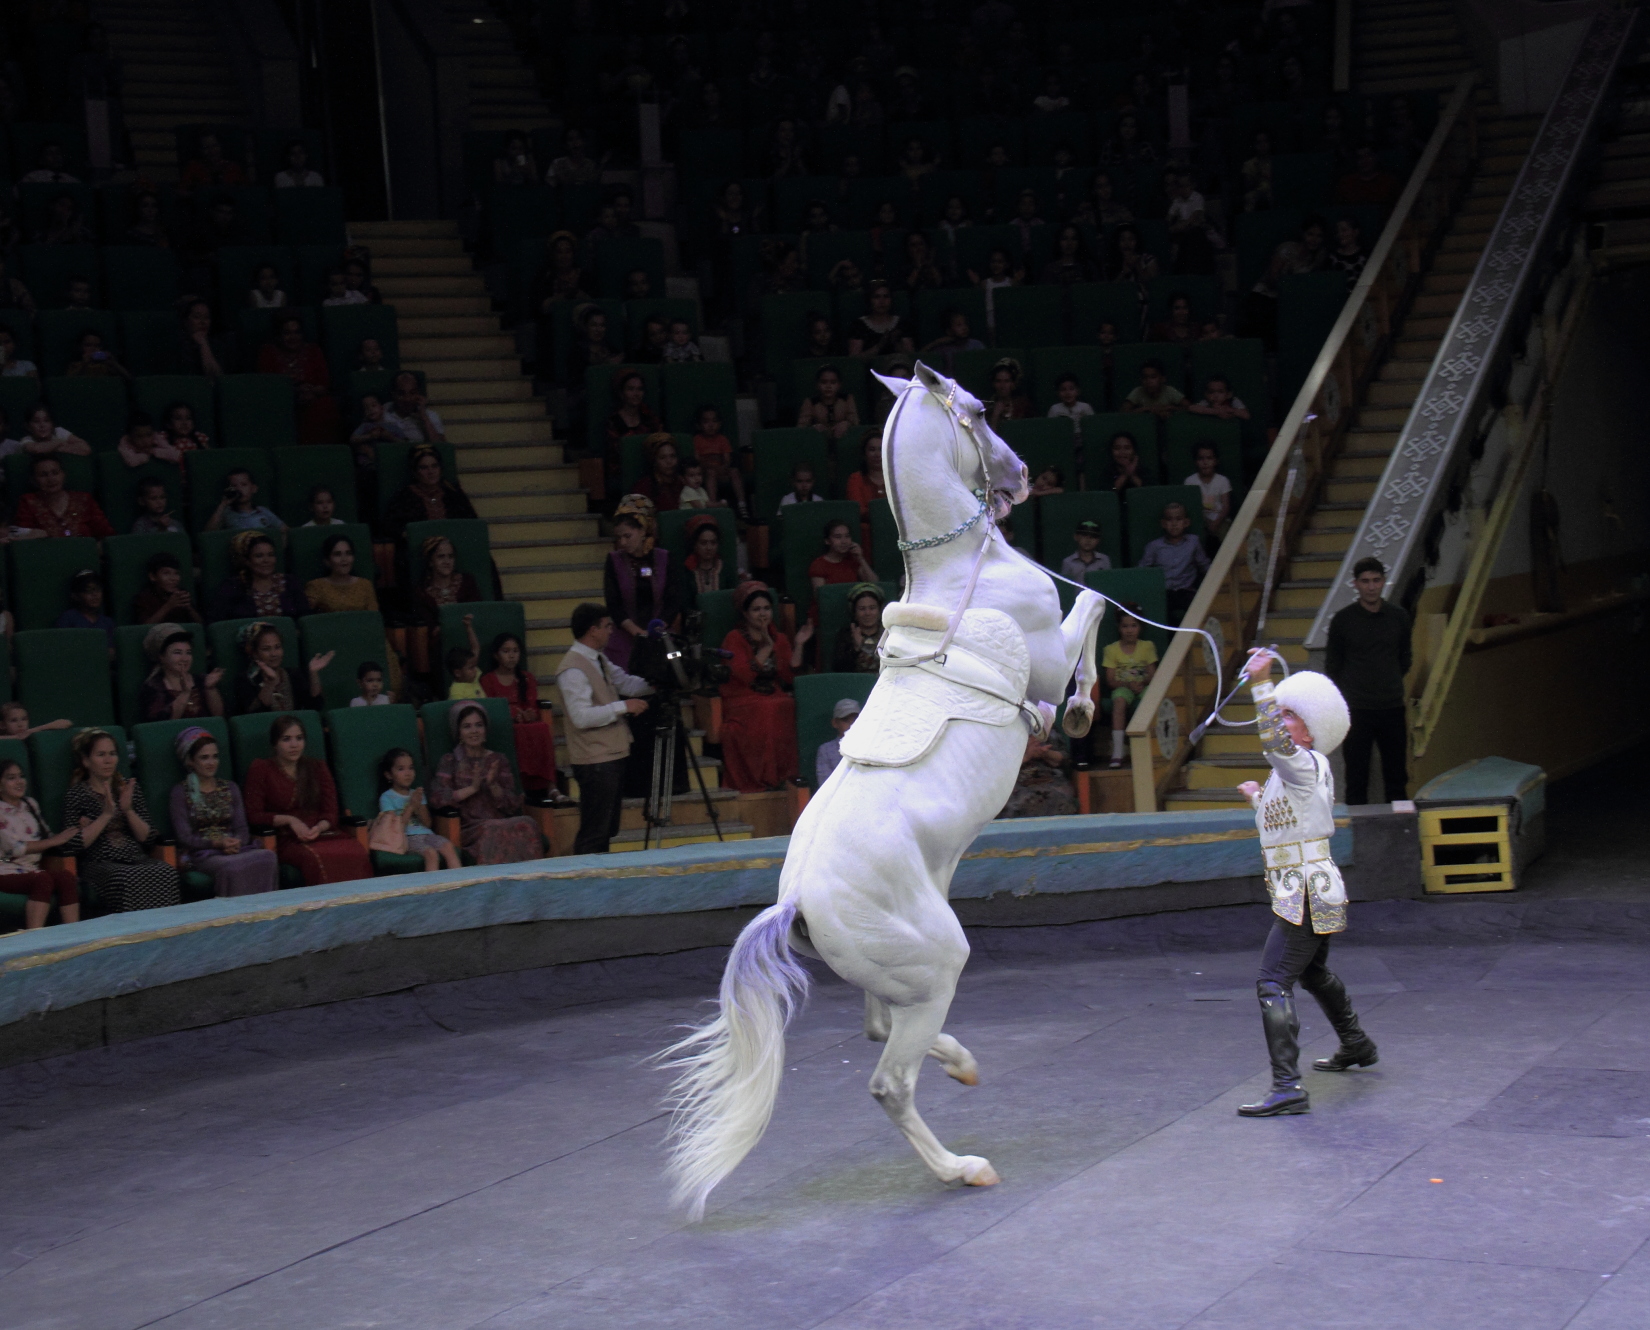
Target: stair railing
column 1442, row 442
column 1310, row 438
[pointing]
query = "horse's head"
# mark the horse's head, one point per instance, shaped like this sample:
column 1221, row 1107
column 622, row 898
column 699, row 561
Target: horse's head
column 982, row 460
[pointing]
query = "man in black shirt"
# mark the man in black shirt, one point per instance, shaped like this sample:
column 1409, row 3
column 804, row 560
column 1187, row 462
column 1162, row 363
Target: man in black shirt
column 1368, row 656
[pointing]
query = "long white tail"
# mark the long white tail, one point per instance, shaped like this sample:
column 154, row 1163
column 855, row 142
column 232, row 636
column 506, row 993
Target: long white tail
column 731, row 1065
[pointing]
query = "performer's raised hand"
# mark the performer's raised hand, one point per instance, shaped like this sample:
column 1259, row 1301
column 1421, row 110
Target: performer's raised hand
column 1259, row 665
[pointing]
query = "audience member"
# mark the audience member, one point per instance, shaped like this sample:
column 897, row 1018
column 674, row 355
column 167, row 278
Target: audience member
column 49, row 167
column 560, row 278
column 1215, row 488
column 112, row 830
column 1071, row 263
column 855, row 648
column 164, row 598
column 1367, row 183
column 377, row 426
column 802, row 486
column 1087, row 557
column 13, row 294
column 879, row 331
column 85, row 608
column 209, row 822
column 1308, row 253
column 1124, row 470
column 296, row 174
column 13, row 366
column 694, row 494
column 428, row 495
column 651, row 349
column 210, row 167
column 44, row 437
column 323, row 507
column 414, row 416
column 1349, row 254
column 1130, row 663
column 24, row 837
column 493, row 827
column 444, row 582
column 304, row 364
column 758, row 712
column 464, row 666
column 1009, row 399
column 172, row 690
column 921, row 273
column 154, row 510
column 200, row 350
column 1050, row 480
column 575, row 166
column 1178, row 325
column 662, row 481
column 712, row 447
column 640, row 586
column 238, row 508
column 1218, row 401
column 842, row 559
column 829, row 412
column 1130, row 261
column 516, row 165
column 14, row 722
column 403, row 820
column 340, row 591
column 255, row 589
column 295, row 794
column 51, row 510
column 599, row 698
column 1041, row 787
column 680, row 348
column 1257, row 174
column 339, row 291
column 866, row 485
column 1068, row 403
column 369, row 677
column 266, row 292
column 181, row 434
column 829, row 754
column 704, row 564
column 1179, row 556
column 63, row 224
column 511, row 680
column 957, row 337
column 1155, row 394
column 148, row 227
column 631, row 415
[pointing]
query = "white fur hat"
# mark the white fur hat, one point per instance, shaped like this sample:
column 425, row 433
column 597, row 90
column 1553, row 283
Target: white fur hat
column 1317, row 701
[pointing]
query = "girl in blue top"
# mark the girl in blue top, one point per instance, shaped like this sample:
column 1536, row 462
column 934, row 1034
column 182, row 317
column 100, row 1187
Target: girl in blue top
column 399, row 774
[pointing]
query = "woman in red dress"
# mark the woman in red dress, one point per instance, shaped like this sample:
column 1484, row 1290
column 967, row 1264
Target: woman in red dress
column 758, row 711
column 866, row 485
column 51, row 510
column 535, row 745
column 296, row 796
column 842, row 560
column 304, row 364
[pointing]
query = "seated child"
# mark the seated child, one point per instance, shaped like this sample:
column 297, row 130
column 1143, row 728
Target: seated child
column 86, row 607
column 1066, row 389
column 712, row 448
column 680, row 348
column 1218, row 401
column 1048, row 481
column 154, row 510
column 802, row 486
column 843, row 716
column 338, row 291
column 399, row 774
column 370, row 355
column 463, row 665
column 1216, row 489
column 14, row 722
column 1179, row 556
column 694, row 494
column 266, row 292
column 323, row 508
column 1129, row 664
column 1124, row 470
column 141, row 444
column 829, row 411
column 377, row 426
column 1108, row 337
column 1087, row 557
column 165, row 599
column 1155, row 393
column 371, row 678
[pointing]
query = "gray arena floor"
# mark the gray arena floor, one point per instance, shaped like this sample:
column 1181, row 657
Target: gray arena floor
column 487, row 1153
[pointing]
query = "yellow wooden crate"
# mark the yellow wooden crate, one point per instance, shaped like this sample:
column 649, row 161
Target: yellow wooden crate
column 1466, row 849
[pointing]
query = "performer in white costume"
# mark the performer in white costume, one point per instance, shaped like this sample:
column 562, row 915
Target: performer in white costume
column 1301, row 722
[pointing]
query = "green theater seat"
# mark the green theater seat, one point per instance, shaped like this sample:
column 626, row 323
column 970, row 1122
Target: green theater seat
column 41, row 571
column 355, row 636
column 358, row 738
column 64, row 672
column 256, row 411
column 816, row 697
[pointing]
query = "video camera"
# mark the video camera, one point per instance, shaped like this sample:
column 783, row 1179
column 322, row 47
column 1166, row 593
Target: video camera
column 680, row 663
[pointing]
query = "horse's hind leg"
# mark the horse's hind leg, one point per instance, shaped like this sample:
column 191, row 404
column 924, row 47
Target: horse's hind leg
column 913, row 1034
column 958, row 1062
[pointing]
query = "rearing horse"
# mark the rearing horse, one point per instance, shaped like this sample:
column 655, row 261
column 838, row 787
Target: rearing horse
column 974, row 653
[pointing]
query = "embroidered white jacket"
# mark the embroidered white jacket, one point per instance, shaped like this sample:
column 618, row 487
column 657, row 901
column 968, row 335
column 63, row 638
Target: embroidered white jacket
column 1295, row 813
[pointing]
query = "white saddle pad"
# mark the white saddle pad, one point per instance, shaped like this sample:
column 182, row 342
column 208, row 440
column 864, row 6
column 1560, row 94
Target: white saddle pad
column 910, row 707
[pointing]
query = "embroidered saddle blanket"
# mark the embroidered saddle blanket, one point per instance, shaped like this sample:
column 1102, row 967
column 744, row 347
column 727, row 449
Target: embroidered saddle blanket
column 983, row 677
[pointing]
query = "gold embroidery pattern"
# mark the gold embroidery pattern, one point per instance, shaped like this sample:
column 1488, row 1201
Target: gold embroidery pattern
column 1277, row 814
column 1269, row 722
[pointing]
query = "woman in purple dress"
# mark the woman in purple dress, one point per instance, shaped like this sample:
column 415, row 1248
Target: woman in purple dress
column 479, row 783
column 209, row 821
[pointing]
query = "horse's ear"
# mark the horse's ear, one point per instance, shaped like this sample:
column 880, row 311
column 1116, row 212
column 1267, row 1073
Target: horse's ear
column 895, row 386
column 930, row 380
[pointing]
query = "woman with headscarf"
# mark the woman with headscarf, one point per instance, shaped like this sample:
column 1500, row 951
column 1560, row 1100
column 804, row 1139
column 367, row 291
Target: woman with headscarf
column 638, row 586
column 340, row 591
column 428, row 497
column 510, row 680
column 855, row 650
column 209, row 821
column 305, row 365
column 113, row 830
column 172, row 690
column 266, row 684
column 444, row 582
column 479, row 783
column 662, row 481
column 705, row 565
column 295, row 795
column 758, row 711
column 256, row 589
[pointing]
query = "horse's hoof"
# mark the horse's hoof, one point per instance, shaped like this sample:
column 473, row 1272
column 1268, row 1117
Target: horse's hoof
column 978, row 1172
column 966, row 1072
column 1077, row 720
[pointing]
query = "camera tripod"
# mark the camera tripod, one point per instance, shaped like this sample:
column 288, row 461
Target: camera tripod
column 668, row 731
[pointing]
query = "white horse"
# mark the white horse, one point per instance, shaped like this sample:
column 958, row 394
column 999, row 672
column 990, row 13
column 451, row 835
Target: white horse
column 864, row 886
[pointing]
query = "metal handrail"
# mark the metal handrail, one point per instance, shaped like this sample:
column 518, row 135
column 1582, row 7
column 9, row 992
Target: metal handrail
column 1322, row 409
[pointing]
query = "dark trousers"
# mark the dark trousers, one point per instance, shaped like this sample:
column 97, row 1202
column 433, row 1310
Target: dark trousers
column 1177, row 603
column 1294, row 952
column 1372, row 727
column 601, row 802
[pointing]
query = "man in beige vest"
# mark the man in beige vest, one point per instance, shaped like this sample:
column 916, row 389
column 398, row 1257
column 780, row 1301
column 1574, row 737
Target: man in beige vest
column 600, row 698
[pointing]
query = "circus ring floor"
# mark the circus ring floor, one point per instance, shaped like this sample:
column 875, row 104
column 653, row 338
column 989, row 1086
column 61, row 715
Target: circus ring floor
column 486, row 1152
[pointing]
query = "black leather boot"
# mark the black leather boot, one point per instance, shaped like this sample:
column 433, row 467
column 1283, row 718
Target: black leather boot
column 1277, row 1016
column 1357, row 1048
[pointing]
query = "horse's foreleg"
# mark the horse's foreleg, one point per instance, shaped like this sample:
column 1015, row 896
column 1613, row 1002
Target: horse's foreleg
column 878, row 1019
column 1079, row 633
column 915, row 1032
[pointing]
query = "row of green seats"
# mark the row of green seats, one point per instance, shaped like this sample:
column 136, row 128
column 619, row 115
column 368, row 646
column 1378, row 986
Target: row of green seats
column 40, row 571
column 676, row 393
